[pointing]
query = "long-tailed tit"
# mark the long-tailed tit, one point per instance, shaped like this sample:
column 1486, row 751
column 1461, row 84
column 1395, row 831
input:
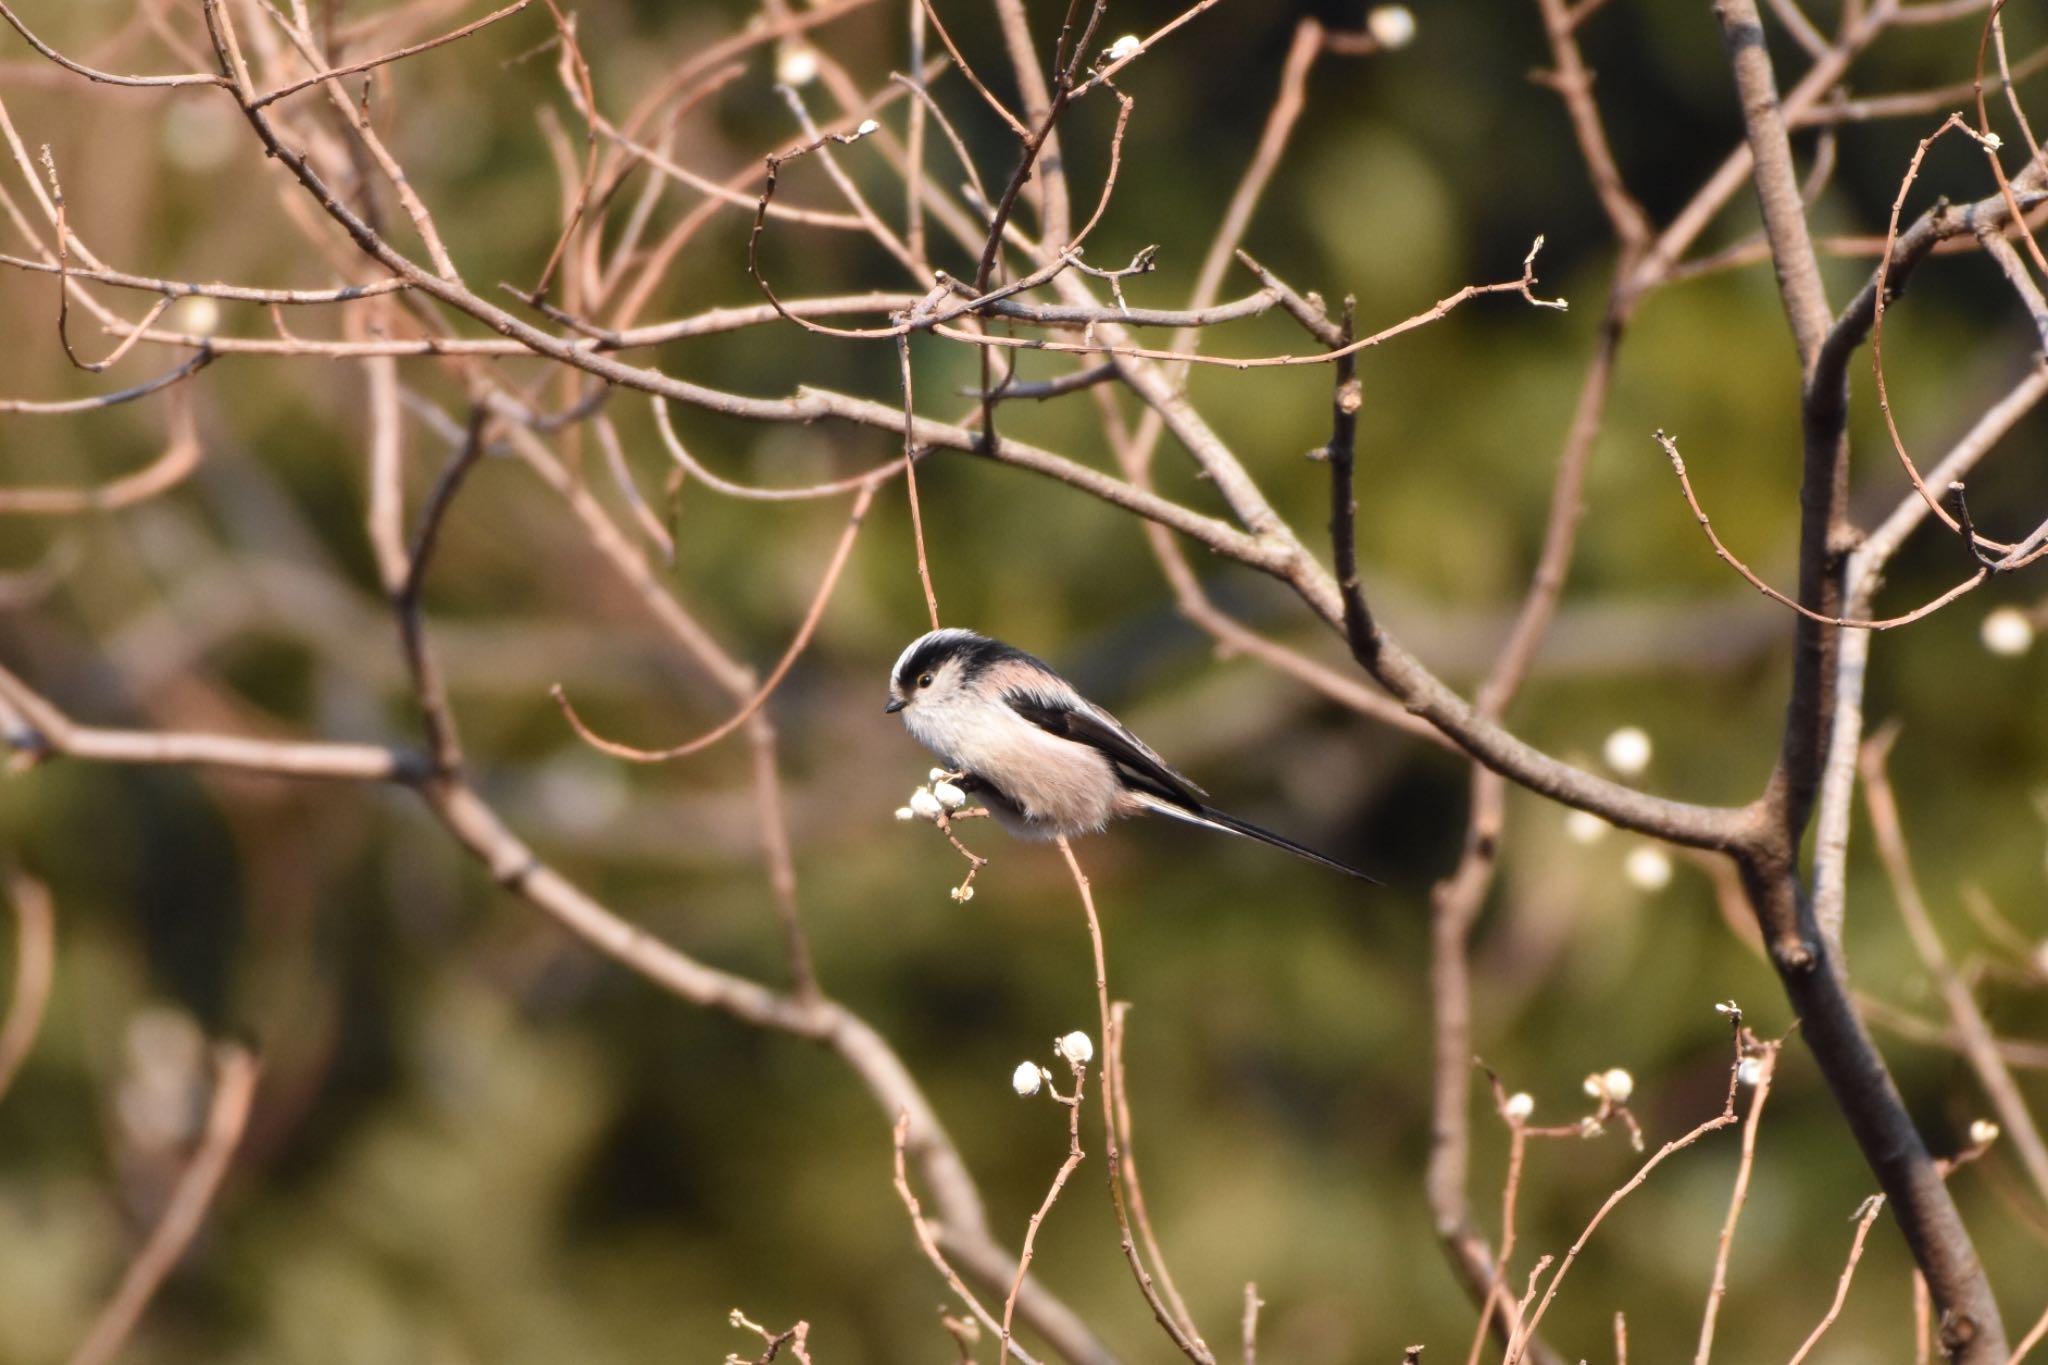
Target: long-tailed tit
column 1045, row 760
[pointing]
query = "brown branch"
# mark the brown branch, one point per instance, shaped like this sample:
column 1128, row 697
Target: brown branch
column 35, row 960
column 1777, row 182
column 1979, row 1044
column 812, row 616
column 1861, row 578
column 370, row 63
column 235, row 1071
column 1532, row 1319
column 1067, row 1168
column 2036, row 1334
column 1524, row 286
column 429, row 692
column 36, row 729
column 1573, row 83
column 1494, row 1290
column 924, row 566
column 945, row 37
column 1185, row 1338
column 179, row 458
column 1765, row 1061
column 182, row 288
column 1115, row 1075
column 190, row 367
column 104, row 77
column 929, row 1244
column 1866, row 1216
column 1728, row 557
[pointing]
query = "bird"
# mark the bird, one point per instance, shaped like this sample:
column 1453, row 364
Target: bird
column 1047, row 762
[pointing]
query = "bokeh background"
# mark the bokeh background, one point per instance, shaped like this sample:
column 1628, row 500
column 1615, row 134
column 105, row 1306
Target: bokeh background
column 477, row 1142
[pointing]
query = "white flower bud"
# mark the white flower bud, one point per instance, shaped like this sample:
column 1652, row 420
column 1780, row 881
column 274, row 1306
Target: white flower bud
column 924, row 805
column 948, row 795
column 1983, row 1132
column 1519, row 1106
column 2007, row 632
column 867, row 126
column 937, row 775
column 1727, row 1007
column 962, row 894
column 905, row 813
column 1750, row 1071
column 1077, row 1048
column 797, row 65
column 1590, row 1128
column 1592, row 1086
column 1584, row 827
column 1618, row 1084
column 1026, row 1079
column 1391, row 26
column 1648, row 868
column 1124, row 47
column 195, row 313
column 1627, row 750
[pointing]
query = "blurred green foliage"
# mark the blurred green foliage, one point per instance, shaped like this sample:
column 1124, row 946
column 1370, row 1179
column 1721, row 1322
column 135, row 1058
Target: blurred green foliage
column 475, row 1142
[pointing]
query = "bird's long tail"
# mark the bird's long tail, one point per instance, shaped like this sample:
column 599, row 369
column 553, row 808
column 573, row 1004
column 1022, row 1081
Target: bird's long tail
column 1210, row 818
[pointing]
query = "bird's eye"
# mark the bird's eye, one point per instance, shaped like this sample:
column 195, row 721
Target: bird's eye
column 924, row 680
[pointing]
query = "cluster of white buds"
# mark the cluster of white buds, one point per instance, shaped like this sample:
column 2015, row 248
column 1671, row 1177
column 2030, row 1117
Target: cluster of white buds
column 1613, row 1085
column 1076, row 1049
column 942, row 797
column 1983, row 1132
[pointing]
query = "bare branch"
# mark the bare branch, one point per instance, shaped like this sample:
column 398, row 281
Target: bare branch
column 234, row 1087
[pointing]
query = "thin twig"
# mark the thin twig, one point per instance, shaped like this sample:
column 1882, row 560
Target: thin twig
column 1114, row 1074
column 1865, row 1217
column 1751, row 577
column 924, row 567
column 369, row 63
column 1532, row 1320
column 1974, row 1031
column 1059, row 1182
column 35, row 959
column 929, row 1244
column 812, row 616
column 1190, row 1344
column 1765, row 1060
column 235, row 1070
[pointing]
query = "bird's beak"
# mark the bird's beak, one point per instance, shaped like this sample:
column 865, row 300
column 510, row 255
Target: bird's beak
column 895, row 704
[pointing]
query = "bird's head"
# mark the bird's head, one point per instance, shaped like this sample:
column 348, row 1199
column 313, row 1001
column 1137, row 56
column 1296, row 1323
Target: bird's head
column 936, row 666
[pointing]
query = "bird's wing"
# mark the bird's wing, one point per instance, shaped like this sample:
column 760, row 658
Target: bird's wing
column 1100, row 730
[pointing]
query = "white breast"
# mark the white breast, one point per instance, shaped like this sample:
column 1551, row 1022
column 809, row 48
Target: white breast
column 1059, row 787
